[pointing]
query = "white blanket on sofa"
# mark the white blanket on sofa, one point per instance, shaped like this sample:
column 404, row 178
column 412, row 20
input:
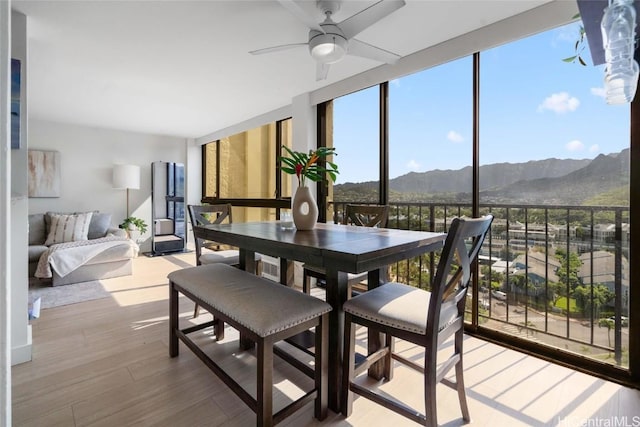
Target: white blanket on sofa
column 68, row 256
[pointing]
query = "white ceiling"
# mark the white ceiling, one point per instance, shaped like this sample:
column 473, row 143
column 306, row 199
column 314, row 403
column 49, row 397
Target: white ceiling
column 182, row 68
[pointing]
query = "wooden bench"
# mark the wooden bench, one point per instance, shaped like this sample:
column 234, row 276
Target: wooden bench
column 263, row 312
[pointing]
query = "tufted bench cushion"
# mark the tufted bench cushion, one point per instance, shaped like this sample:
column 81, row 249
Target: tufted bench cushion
column 264, row 312
column 262, row 306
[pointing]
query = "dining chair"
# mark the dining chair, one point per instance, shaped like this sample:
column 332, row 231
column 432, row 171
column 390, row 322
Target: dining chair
column 358, row 215
column 426, row 319
column 215, row 214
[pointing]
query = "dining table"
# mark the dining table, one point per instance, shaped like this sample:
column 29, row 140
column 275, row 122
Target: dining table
column 339, row 249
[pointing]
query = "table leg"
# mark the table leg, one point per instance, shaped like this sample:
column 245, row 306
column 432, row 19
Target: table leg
column 375, row 339
column 248, row 260
column 247, row 263
column 286, row 272
column 337, row 285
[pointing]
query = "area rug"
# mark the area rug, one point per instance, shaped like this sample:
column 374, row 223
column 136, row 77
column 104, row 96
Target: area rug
column 66, row 294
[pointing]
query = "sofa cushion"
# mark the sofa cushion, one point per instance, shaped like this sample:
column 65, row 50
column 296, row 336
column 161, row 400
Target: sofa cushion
column 49, row 214
column 35, row 251
column 68, row 228
column 37, row 229
column 99, row 225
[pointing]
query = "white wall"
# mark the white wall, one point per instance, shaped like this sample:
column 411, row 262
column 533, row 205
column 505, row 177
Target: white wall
column 87, row 159
column 20, row 328
column 5, row 218
column 193, row 183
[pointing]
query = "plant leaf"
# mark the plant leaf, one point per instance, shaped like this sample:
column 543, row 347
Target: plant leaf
column 570, row 59
column 582, row 61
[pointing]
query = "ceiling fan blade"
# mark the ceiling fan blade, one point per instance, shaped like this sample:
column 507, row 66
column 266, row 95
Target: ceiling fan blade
column 361, row 20
column 322, row 70
column 277, row 48
column 301, row 14
column 365, row 50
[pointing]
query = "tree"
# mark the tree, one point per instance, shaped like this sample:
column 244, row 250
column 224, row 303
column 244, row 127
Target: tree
column 569, row 266
column 609, row 324
column 555, row 291
column 507, row 254
column 601, row 296
column 497, row 279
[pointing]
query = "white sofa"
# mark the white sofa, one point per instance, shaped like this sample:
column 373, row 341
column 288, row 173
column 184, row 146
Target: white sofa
column 103, row 253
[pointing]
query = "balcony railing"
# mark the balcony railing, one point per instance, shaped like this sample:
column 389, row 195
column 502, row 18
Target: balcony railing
column 553, row 274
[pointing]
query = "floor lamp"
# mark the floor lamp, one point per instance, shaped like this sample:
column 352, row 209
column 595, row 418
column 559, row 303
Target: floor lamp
column 128, row 177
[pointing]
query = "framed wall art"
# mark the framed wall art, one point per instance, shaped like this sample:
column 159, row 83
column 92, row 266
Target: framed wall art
column 15, row 103
column 44, row 173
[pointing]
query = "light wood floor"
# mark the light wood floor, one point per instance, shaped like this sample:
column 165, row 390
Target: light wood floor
column 106, row 363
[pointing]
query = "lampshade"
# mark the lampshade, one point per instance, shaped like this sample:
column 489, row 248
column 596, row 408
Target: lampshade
column 126, row 176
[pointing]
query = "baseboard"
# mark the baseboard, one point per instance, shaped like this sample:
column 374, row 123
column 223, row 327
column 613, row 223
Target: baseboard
column 22, row 354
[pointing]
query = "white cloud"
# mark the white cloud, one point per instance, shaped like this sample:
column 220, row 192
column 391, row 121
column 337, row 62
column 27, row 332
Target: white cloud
column 560, row 103
column 598, row 91
column 414, row 166
column 594, row 148
column 566, row 35
column 454, row 136
column 574, row 145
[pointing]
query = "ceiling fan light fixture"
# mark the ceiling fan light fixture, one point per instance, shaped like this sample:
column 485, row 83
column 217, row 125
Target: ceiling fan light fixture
column 328, row 48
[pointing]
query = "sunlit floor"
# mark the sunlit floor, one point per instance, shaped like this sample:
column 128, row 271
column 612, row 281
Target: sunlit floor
column 105, row 362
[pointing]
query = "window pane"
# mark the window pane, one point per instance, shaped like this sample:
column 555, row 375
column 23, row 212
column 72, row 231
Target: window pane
column 555, row 173
column 430, row 134
column 210, row 180
column 356, row 137
column 286, row 139
column 247, row 165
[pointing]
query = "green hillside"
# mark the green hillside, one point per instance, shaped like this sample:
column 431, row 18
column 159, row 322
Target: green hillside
column 614, row 197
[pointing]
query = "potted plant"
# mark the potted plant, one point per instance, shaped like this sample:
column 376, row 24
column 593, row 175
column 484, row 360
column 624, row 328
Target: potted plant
column 304, row 165
column 134, row 227
column 307, row 166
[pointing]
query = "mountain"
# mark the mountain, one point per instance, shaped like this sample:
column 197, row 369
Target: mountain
column 603, row 174
column 496, row 175
column 564, row 181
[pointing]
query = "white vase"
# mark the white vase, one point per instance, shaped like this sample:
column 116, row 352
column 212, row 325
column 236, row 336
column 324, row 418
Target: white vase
column 134, row 234
column 304, row 209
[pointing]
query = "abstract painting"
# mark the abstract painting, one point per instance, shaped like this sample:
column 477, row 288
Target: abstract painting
column 15, row 104
column 44, row 173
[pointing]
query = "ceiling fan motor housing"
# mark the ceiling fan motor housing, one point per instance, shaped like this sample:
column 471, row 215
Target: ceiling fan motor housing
column 328, row 6
column 329, row 47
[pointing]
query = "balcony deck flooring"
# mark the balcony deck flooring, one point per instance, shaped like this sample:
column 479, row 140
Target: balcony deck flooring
column 105, row 363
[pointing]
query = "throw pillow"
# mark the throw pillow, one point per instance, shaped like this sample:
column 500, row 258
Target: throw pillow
column 49, row 214
column 68, row 228
column 99, row 225
column 37, row 229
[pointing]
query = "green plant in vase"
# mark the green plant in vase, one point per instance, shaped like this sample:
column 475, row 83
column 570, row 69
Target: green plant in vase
column 305, row 165
column 313, row 166
column 134, row 227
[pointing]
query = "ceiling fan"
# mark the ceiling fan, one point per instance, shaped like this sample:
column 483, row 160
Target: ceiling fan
column 329, row 41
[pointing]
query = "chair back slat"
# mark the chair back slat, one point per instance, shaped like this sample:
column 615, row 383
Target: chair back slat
column 462, row 245
column 210, row 214
column 366, row 215
column 206, row 215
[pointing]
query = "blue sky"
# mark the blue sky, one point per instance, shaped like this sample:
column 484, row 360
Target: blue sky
column 533, row 106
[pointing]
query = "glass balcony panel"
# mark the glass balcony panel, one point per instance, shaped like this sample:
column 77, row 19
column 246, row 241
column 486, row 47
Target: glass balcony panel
column 558, row 234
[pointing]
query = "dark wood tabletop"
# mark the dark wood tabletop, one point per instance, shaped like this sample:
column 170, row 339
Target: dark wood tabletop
column 340, row 249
